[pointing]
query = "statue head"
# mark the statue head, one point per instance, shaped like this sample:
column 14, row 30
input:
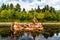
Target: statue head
column 35, row 20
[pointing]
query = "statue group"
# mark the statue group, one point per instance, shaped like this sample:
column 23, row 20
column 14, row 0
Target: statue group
column 34, row 26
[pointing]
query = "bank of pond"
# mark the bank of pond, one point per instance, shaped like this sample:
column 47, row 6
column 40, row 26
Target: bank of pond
column 49, row 31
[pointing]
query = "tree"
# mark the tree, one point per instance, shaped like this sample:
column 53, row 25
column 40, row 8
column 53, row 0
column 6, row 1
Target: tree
column 24, row 10
column 7, row 7
column 4, row 14
column 29, row 16
column 31, row 11
column 0, row 10
column 17, row 8
column 48, row 15
column 35, row 14
column 12, row 12
column 3, row 6
column 52, row 9
column 23, row 15
column 47, row 7
column 38, row 9
column 40, row 16
column 54, row 16
column 18, row 15
column 43, row 10
column 58, row 16
column 11, row 6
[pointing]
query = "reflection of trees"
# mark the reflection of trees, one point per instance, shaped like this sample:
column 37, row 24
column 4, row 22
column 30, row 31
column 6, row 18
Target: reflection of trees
column 34, row 34
column 51, row 34
column 47, row 34
column 5, row 32
column 50, row 29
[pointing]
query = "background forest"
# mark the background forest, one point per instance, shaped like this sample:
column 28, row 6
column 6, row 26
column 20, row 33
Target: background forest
column 11, row 13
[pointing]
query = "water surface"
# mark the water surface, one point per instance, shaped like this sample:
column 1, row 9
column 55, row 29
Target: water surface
column 40, row 37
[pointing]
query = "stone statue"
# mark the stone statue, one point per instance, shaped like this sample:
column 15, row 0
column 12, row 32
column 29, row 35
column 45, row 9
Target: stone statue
column 36, row 24
column 34, row 20
column 15, row 28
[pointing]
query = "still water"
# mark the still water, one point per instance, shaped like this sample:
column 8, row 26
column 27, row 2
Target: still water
column 40, row 37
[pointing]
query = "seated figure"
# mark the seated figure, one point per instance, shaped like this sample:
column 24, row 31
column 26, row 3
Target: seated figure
column 38, row 26
column 34, row 20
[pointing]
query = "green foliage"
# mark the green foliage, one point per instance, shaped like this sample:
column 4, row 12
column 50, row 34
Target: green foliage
column 10, row 13
column 3, row 6
column 24, row 10
column 18, row 7
column 40, row 16
column 4, row 14
column 38, row 9
column 48, row 15
column 7, row 7
column 11, row 6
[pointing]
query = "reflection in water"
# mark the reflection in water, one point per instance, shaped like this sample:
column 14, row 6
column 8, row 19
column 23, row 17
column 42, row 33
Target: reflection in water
column 4, row 38
column 27, row 37
column 40, row 37
column 0, row 37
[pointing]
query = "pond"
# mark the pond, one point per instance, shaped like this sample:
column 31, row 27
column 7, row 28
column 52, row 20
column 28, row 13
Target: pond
column 39, row 37
column 51, row 32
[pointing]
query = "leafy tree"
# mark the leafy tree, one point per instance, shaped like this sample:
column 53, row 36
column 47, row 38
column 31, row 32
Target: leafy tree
column 38, row 9
column 58, row 16
column 35, row 14
column 47, row 7
column 47, row 16
column 30, row 16
column 24, row 10
column 43, row 10
column 18, row 7
column 52, row 9
column 50, row 16
column 18, row 15
column 40, row 16
column 0, row 10
column 7, row 7
column 11, row 6
column 31, row 11
column 3, row 6
column 4, row 14
column 23, row 15
column 54, row 16
column 14, row 13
